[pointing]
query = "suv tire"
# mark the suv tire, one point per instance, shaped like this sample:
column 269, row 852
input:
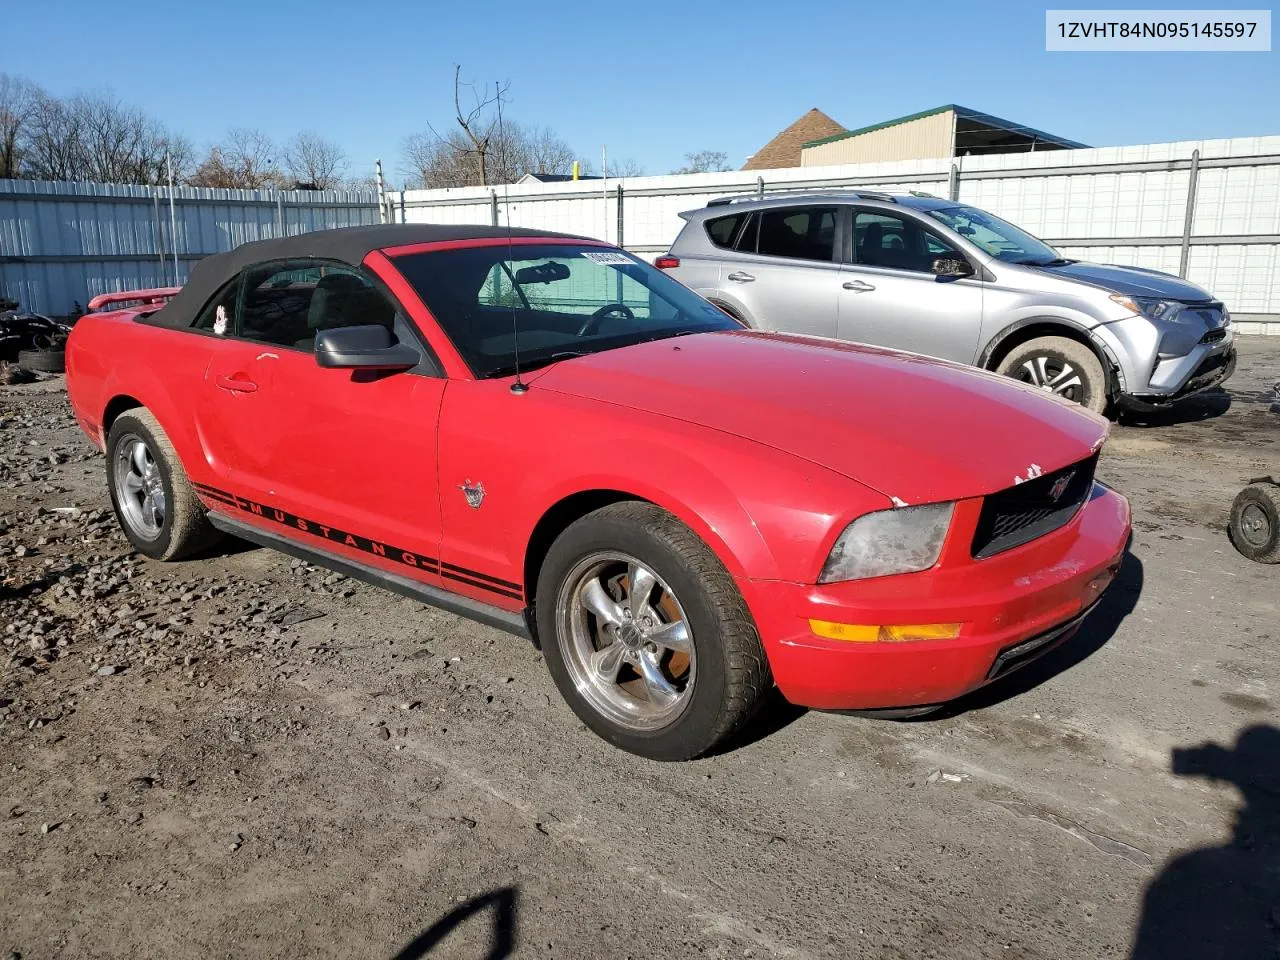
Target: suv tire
column 1060, row 366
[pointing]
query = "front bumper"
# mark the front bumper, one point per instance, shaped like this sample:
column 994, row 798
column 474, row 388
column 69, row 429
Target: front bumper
column 1194, row 377
column 1038, row 591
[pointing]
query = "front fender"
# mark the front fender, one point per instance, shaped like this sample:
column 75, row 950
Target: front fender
column 766, row 514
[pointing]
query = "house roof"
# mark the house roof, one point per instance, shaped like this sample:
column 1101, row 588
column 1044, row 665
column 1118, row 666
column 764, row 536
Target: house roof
column 784, row 149
column 556, row 177
column 962, row 114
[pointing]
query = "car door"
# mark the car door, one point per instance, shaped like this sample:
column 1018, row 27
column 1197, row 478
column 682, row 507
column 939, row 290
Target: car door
column 785, row 274
column 891, row 297
column 333, row 453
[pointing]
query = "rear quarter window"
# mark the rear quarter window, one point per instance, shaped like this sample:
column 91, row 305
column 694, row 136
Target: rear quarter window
column 722, row 230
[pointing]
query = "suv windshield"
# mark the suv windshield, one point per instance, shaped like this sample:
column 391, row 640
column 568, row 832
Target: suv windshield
column 997, row 237
column 563, row 300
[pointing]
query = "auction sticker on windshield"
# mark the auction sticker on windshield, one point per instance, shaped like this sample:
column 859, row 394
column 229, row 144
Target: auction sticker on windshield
column 609, row 259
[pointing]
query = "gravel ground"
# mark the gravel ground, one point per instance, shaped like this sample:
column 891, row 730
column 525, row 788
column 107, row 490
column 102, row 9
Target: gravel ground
column 246, row 756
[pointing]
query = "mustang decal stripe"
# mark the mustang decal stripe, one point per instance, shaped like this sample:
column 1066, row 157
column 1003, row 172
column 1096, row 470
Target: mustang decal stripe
column 410, row 558
column 481, row 576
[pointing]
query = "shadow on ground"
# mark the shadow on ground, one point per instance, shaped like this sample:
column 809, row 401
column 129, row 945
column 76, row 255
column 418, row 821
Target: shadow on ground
column 1220, row 902
column 502, row 903
column 1204, row 406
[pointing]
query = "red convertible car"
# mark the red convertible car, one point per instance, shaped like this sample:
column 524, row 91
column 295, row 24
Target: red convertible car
column 548, row 435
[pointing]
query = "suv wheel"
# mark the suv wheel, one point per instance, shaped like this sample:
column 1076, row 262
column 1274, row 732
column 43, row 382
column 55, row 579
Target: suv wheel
column 646, row 635
column 1060, row 366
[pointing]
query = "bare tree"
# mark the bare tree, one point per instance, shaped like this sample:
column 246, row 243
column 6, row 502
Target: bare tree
column 475, row 124
column 626, row 167
column 117, row 144
column 244, row 160
column 51, row 146
column 512, row 151
column 704, row 161
column 315, row 162
column 366, row 184
column 18, row 100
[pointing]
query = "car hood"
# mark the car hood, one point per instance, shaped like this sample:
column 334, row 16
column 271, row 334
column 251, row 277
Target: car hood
column 1130, row 281
column 915, row 429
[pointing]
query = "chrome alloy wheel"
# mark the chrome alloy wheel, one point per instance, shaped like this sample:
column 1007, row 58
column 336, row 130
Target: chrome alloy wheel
column 626, row 641
column 1054, row 375
column 139, row 488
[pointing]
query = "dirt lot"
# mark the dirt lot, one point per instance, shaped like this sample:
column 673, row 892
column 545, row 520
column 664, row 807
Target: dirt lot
column 244, row 756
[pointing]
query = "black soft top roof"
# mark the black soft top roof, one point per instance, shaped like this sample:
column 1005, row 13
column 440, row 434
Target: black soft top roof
column 345, row 244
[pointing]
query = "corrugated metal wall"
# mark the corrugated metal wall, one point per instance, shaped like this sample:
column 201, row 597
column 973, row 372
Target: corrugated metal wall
column 926, row 137
column 62, row 243
column 1115, row 204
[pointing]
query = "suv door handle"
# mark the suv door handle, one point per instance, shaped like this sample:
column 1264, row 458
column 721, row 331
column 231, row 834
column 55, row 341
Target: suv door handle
column 858, row 286
column 238, row 383
column 739, row 277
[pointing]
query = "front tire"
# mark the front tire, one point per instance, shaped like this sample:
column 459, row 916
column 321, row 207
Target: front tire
column 1062, row 367
column 646, row 635
column 1255, row 522
column 152, row 498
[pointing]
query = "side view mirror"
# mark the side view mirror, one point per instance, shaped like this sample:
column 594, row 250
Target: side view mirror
column 369, row 347
column 952, row 267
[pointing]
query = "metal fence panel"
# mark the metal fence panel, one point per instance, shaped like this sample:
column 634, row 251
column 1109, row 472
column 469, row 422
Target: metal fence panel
column 63, row 243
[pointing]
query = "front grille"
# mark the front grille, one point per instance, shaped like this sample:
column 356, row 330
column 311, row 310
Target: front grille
column 1030, row 509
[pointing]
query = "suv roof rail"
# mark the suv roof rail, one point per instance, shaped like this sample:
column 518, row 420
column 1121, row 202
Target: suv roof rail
column 854, row 192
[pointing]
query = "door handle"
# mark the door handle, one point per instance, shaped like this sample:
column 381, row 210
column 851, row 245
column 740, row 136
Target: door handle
column 739, row 277
column 858, row 286
column 238, row 383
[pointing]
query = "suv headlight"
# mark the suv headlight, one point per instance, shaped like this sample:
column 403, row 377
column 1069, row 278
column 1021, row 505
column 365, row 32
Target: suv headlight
column 1154, row 308
column 885, row 542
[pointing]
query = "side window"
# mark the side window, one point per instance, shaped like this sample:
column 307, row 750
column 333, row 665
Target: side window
column 897, row 242
column 747, row 241
column 218, row 315
column 287, row 302
column 722, row 230
column 801, row 233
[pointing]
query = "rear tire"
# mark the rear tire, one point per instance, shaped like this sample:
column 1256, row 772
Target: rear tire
column 651, row 697
column 42, row 361
column 152, row 498
column 1254, row 527
column 1060, row 366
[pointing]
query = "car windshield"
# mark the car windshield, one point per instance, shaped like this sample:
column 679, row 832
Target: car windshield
column 561, row 300
column 997, row 237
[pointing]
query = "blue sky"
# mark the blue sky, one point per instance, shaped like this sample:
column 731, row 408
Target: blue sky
column 652, row 81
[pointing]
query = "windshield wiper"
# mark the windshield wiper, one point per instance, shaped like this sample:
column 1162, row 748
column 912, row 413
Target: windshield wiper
column 526, row 365
column 1055, row 262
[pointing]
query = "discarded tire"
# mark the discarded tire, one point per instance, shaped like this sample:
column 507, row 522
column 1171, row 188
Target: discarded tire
column 1254, row 526
column 42, row 361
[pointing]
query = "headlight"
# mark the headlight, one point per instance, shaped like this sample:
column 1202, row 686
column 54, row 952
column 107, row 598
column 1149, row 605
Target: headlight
column 889, row 541
column 1154, row 308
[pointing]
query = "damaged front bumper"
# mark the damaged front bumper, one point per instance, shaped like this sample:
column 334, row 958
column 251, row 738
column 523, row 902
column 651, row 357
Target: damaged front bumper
column 1012, row 608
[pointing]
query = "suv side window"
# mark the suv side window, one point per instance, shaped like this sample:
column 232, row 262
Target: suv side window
column 801, row 233
column 747, row 239
column 286, row 302
column 882, row 239
column 722, row 230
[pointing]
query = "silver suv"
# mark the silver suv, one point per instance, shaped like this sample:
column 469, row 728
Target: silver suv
column 932, row 276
